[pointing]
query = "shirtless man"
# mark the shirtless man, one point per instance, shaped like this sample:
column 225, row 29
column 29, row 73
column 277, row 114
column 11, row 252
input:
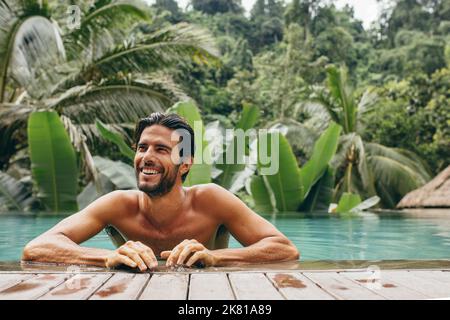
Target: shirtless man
column 163, row 218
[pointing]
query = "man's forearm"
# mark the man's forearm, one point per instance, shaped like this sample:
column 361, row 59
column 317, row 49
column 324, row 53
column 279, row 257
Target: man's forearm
column 60, row 249
column 267, row 250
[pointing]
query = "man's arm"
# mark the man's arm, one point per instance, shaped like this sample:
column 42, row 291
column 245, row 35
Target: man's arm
column 60, row 244
column 263, row 242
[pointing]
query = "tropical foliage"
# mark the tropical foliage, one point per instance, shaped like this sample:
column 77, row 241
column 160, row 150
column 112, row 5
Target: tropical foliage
column 359, row 111
column 85, row 73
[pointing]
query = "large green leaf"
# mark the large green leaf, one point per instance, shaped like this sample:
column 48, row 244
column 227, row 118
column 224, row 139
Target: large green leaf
column 321, row 194
column 200, row 171
column 347, row 202
column 249, row 117
column 285, row 183
column 235, row 151
column 323, row 151
column 115, row 138
column 260, row 195
column 337, row 84
column 53, row 161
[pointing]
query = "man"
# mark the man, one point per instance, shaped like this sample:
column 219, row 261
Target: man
column 163, row 218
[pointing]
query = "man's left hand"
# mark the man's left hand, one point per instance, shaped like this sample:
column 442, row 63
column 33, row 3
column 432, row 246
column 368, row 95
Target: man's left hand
column 189, row 252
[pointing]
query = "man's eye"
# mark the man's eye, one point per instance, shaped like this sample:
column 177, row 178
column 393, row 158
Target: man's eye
column 141, row 148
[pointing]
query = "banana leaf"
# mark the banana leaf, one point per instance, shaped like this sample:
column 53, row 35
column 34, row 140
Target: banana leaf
column 200, row 171
column 53, row 162
column 321, row 194
column 285, row 183
column 231, row 171
column 366, row 204
column 323, row 152
column 260, row 195
column 347, row 202
column 115, row 138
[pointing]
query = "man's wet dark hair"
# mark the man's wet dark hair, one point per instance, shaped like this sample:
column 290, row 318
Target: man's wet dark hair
column 171, row 121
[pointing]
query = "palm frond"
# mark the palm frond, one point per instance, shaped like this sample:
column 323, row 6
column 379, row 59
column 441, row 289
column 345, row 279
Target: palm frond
column 157, row 51
column 78, row 140
column 13, row 123
column 324, row 99
column 367, row 102
column 94, row 137
column 301, row 137
column 404, row 157
column 395, row 176
column 341, row 159
column 14, row 195
column 101, row 18
column 118, row 100
column 27, row 40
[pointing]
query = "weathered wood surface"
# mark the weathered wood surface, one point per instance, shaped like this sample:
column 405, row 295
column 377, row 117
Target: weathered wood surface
column 166, row 286
column 251, row 285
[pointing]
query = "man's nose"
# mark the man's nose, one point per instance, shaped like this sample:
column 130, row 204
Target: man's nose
column 149, row 155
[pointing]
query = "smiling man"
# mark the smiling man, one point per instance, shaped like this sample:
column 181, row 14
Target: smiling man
column 163, row 218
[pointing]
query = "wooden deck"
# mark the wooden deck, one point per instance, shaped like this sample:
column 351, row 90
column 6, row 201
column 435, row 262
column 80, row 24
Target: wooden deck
column 250, row 285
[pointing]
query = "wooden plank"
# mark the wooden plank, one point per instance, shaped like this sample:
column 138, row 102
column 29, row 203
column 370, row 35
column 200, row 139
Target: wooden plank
column 443, row 277
column 78, row 287
column 428, row 287
column 11, row 279
column 341, row 287
column 210, row 286
column 166, row 286
column 295, row 286
column 33, row 288
column 122, row 286
column 253, row 286
column 389, row 289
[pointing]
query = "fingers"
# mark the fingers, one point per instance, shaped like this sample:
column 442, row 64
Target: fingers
column 165, row 254
column 133, row 255
column 187, row 250
column 173, row 257
column 142, row 255
column 179, row 254
column 199, row 255
column 126, row 261
column 146, row 254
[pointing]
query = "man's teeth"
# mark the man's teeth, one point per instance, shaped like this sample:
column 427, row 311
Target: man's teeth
column 149, row 171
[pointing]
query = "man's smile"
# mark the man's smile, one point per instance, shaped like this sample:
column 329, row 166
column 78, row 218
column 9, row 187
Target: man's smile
column 150, row 171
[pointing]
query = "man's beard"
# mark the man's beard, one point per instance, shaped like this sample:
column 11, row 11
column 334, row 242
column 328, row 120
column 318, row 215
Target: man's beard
column 164, row 185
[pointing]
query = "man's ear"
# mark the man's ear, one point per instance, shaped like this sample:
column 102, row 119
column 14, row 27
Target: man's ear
column 186, row 164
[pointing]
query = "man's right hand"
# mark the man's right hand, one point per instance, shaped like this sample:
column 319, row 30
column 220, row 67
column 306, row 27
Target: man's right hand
column 133, row 254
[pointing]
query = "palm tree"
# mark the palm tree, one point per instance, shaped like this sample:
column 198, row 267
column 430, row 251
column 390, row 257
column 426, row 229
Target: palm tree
column 367, row 168
column 102, row 68
column 104, row 71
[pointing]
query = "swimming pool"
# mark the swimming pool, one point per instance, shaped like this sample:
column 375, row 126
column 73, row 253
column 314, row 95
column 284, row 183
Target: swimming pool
column 385, row 236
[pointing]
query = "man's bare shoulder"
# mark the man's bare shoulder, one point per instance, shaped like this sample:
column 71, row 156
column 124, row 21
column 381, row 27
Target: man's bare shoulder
column 212, row 196
column 208, row 191
column 116, row 203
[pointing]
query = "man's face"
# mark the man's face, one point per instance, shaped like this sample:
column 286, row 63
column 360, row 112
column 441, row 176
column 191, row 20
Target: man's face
column 156, row 172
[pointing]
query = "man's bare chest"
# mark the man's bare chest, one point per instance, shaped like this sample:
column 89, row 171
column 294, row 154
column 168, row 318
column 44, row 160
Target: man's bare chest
column 166, row 238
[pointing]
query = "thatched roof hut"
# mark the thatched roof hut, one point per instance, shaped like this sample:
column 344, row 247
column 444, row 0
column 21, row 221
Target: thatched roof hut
column 435, row 194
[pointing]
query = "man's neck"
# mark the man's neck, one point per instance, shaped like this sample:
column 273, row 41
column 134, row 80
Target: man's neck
column 162, row 210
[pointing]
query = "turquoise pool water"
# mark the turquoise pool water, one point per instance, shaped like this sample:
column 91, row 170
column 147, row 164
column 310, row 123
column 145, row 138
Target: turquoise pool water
column 318, row 237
